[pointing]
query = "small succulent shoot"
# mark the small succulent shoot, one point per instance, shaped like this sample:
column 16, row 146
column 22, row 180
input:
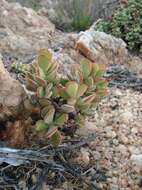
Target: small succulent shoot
column 49, row 116
column 71, row 89
column 82, row 88
column 64, row 100
column 86, row 68
column 80, row 120
column 40, row 125
column 56, row 138
column 61, row 119
column 20, row 68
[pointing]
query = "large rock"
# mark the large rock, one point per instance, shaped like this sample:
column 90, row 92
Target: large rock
column 22, row 29
column 107, row 49
column 101, row 47
column 12, row 95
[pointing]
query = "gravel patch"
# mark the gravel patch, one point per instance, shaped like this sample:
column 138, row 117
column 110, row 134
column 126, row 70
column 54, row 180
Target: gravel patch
column 118, row 150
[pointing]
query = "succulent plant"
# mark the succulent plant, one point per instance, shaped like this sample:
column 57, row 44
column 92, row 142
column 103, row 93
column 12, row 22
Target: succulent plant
column 20, row 68
column 64, row 100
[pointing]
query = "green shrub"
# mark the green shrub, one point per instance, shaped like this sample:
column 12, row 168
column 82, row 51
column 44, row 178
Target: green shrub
column 74, row 14
column 126, row 23
column 64, row 101
column 82, row 18
column 81, row 22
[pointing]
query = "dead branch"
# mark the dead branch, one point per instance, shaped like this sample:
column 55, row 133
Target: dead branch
column 22, row 156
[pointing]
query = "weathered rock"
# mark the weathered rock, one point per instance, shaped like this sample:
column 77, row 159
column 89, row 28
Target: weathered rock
column 12, row 95
column 101, row 47
column 137, row 159
column 22, row 29
column 126, row 117
column 83, row 158
column 107, row 49
column 63, row 50
column 135, row 65
column 123, row 138
column 122, row 149
column 90, row 128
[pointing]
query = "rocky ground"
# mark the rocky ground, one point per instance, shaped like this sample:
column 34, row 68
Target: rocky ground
column 114, row 160
column 118, row 150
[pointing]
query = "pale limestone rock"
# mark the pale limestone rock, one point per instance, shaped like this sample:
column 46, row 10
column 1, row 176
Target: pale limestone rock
column 134, row 150
column 101, row 47
column 134, row 130
column 23, row 32
column 89, row 128
column 123, row 138
column 22, row 29
column 126, row 117
column 137, row 159
column 11, row 94
column 83, row 157
column 107, row 49
column 122, row 148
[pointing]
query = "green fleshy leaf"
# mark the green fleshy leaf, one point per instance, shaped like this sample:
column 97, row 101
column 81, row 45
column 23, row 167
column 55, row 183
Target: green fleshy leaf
column 98, row 70
column 51, row 76
column 56, row 138
column 48, row 90
column 55, row 92
column 101, row 84
column 63, row 81
column 82, row 106
column 61, row 119
column 44, row 59
column 49, row 115
column 45, row 110
column 80, row 120
column 67, row 108
column 71, row 101
column 51, row 131
column 53, row 68
column 40, row 92
column 41, row 125
column 95, row 70
column 71, row 89
column 41, row 73
column 62, row 92
column 89, row 81
column 86, row 68
column 89, row 99
column 81, row 90
column 44, row 102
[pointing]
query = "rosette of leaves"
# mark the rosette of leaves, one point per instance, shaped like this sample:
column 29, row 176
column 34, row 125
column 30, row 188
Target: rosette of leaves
column 83, row 89
column 64, row 100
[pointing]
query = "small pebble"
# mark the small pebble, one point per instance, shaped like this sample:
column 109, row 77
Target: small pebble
column 134, row 130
